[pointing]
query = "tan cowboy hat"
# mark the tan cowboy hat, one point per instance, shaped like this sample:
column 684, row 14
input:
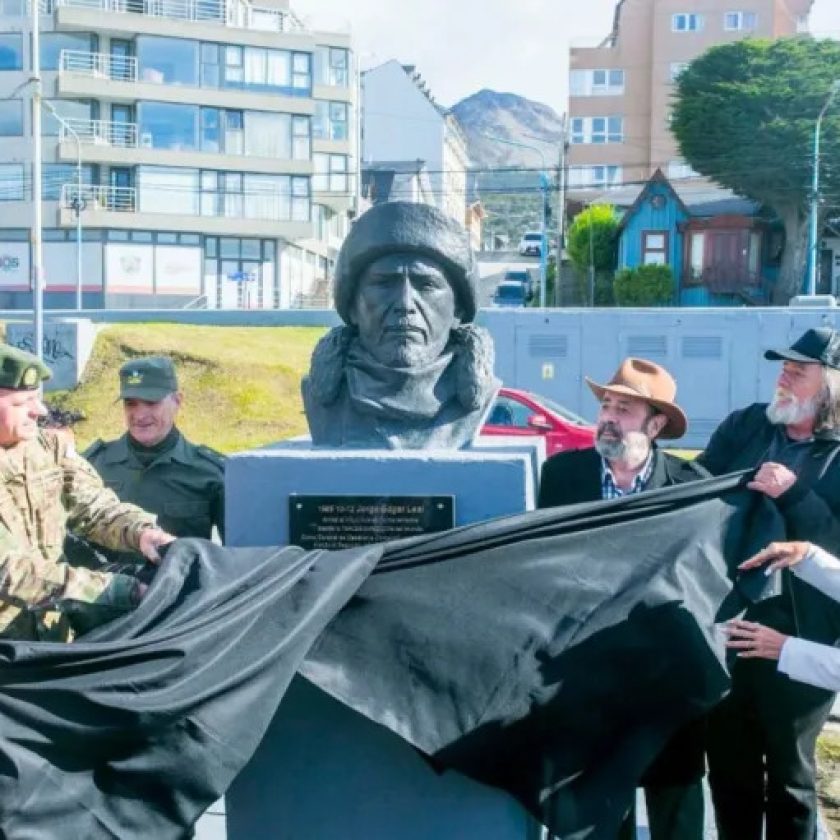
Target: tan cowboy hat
column 650, row 382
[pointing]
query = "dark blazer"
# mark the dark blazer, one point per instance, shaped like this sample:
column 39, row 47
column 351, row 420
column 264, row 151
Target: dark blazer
column 572, row 477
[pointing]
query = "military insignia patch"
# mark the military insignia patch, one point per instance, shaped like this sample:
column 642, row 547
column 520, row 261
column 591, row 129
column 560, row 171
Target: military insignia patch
column 30, row 377
column 134, row 378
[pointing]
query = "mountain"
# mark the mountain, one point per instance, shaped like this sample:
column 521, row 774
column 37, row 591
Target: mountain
column 512, row 197
column 510, row 117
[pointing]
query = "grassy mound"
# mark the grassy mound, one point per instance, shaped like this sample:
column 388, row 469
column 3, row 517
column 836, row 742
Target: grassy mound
column 241, row 384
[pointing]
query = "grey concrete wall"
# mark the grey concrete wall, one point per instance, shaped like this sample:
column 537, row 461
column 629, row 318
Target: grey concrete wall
column 68, row 343
column 716, row 355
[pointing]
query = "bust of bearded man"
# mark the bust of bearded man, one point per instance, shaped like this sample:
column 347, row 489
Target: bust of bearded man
column 408, row 369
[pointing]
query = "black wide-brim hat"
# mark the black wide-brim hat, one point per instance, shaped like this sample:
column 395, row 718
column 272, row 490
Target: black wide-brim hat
column 404, row 227
column 819, row 346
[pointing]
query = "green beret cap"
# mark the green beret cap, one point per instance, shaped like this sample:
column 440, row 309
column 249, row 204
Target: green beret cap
column 21, row 371
column 405, row 227
column 151, row 379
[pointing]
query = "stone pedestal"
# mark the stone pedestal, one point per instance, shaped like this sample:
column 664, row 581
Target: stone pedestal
column 68, row 343
column 323, row 771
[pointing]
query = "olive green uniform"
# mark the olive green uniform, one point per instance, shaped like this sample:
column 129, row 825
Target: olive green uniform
column 184, row 485
column 46, row 488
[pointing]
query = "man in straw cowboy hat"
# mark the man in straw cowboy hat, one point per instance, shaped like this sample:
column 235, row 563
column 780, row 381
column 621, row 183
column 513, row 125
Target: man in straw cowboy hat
column 637, row 408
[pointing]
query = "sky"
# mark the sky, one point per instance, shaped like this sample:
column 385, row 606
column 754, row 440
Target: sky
column 462, row 46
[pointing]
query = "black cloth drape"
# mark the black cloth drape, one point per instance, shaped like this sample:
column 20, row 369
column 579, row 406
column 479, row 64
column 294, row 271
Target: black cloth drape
column 550, row 654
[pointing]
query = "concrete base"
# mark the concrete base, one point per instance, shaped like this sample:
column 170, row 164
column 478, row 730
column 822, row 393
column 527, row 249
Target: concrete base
column 323, row 771
column 487, row 482
column 68, row 343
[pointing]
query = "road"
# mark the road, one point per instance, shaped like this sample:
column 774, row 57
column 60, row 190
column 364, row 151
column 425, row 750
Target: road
column 492, row 266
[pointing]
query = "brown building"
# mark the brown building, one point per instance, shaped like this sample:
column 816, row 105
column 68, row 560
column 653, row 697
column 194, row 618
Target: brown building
column 620, row 90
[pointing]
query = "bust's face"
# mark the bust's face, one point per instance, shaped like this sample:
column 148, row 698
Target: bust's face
column 404, row 310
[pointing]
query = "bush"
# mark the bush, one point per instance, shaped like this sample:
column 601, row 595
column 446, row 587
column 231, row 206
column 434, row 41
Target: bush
column 603, row 288
column 593, row 235
column 645, row 285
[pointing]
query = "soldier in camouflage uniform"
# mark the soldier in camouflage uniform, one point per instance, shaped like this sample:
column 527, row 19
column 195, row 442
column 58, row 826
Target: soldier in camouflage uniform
column 46, row 489
column 153, row 465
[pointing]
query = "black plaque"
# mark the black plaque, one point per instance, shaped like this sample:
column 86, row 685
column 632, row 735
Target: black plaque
column 333, row 522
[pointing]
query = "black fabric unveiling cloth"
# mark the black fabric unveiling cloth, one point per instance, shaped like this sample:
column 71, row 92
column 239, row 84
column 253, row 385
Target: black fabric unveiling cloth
column 550, row 654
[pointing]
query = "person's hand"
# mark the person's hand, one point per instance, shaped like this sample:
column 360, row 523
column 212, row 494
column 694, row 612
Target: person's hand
column 138, row 592
column 151, row 539
column 754, row 640
column 780, row 555
column 772, row 480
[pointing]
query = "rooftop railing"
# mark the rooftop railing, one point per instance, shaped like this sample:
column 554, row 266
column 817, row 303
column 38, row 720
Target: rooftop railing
column 235, row 13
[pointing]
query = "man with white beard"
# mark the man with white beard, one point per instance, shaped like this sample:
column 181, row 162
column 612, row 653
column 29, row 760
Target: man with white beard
column 761, row 738
column 637, row 408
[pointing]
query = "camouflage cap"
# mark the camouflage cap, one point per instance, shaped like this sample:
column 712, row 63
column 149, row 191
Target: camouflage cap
column 21, row 371
column 150, row 379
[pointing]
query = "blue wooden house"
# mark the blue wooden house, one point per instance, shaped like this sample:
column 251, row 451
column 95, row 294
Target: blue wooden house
column 721, row 251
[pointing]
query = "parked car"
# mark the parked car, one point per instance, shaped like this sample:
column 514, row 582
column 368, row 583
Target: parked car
column 510, row 293
column 524, row 277
column 521, row 414
column 531, row 244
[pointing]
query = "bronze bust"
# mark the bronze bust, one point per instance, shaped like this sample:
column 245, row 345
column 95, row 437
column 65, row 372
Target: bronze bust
column 408, row 369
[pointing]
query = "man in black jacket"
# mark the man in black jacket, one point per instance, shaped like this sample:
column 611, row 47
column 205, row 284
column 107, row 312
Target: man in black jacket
column 761, row 738
column 637, row 408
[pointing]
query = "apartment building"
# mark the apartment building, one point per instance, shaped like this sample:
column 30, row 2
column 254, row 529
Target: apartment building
column 620, row 90
column 216, row 141
column 401, row 120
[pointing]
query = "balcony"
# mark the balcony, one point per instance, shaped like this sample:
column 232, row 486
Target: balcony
column 98, row 65
column 237, row 14
column 263, row 213
column 99, row 133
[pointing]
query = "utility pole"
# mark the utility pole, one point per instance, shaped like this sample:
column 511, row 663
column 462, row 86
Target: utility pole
column 562, row 182
column 813, row 227
column 37, row 278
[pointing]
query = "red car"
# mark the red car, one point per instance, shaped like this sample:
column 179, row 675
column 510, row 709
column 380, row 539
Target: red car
column 518, row 413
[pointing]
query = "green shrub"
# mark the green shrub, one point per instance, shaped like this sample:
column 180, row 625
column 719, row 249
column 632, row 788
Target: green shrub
column 645, row 285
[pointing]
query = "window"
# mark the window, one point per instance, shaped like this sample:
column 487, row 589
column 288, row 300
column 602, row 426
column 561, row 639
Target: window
column 11, row 117
column 679, row 169
column 597, row 130
column 68, row 109
column 268, row 135
column 52, row 43
column 301, row 208
column 582, row 177
column 234, row 133
column 171, row 61
column 11, row 182
column 330, row 121
column 740, row 21
column 697, row 257
column 211, row 73
column 234, row 73
column 13, row 8
column 338, row 67
column 302, row 71
column 55, row 175
column 330, row 173
column 655, row 247
column 301, row 134
column 165, row 190
column 168, row 126
column 211, row 133
column 11, row 51
column 687, row 22
column 677, row 68
column 596, row 82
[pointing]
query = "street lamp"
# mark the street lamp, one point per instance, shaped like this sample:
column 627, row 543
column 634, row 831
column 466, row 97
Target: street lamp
column 815, row 194
column 544, row 191
column 78, row 202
